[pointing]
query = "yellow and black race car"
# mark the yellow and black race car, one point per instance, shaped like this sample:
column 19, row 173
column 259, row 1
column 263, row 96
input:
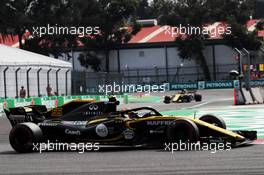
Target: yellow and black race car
column 101, row 122
column 184, row 96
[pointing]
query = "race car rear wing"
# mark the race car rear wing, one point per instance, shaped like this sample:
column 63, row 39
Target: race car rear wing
column 32, row 113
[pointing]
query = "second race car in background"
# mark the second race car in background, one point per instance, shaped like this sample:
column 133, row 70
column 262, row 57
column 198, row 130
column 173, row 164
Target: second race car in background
column 184, row 96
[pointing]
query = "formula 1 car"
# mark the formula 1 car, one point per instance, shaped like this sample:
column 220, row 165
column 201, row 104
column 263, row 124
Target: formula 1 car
column 183, row 96
column 101, row 122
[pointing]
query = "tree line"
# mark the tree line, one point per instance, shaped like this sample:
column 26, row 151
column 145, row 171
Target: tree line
column 117, row 22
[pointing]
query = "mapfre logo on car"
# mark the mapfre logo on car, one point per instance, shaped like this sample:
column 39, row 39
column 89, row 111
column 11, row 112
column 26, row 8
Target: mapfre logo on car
column 160, row 122
column 93, row 107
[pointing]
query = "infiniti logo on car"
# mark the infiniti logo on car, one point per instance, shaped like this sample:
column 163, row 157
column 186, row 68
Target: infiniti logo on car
column 93, row 107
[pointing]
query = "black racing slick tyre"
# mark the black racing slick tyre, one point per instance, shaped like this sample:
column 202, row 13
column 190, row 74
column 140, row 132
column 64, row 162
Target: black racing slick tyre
column 217, row 121
column 183, row 130
column 197, row 97
column 167, row 99
column 186, row 99
column 23, row 136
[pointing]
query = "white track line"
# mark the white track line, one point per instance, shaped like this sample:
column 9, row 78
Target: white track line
column 207, row 102
column 198, row 105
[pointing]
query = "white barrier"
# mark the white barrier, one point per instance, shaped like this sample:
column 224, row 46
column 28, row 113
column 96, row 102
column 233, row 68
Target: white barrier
column 244, row 97
column 247, row 95
column 258, row 94
column 238, row 97
column 261, row 90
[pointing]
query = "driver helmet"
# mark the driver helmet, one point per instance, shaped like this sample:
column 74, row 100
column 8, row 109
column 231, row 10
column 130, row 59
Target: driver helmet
column 183, row 91
column 112, row 98
column 132, row 115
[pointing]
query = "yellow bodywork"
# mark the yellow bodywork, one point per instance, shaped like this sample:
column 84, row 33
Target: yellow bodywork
column 221, row 130
column 196, row 121
column 176, row 97
column 128, row 122
column 171, row 118
column 27, row 109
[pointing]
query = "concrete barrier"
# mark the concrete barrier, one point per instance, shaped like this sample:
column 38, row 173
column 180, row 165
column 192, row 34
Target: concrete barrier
column 248, row 97
column 261, row 90
column 253, row 96
column 258, row 94
column 239, row 98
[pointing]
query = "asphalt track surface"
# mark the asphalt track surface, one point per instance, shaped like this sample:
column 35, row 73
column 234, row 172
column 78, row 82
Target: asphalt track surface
column 243, row 160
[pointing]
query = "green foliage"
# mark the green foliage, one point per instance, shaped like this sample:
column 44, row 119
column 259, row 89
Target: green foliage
column 259, row 9
column 14, row 18
column 260, row 25
column 144, row 10
column 189, row 47
column 19, row 16
column 112, row 17
column 241, row 38
column 90, row 59
column 187, row 13
column 54, row 13
column 196, row 13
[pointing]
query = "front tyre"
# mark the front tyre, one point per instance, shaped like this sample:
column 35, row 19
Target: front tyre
column 23, row 135
column 183, row 130
column 217, row 121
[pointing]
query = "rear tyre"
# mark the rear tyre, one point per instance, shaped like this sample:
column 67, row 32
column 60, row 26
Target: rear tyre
column 197, row 97
column 183, row 130
column 186, row 99
column 167, row 99
column 23, row 135
column 217, row 121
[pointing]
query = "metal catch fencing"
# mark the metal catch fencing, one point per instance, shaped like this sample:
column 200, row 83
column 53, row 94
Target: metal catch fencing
column 88, row 82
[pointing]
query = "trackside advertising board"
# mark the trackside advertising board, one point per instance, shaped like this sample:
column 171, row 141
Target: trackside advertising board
column 215, row 84
column 179, row 86
column 212, row 84
column 257, row 83
column 203, row 85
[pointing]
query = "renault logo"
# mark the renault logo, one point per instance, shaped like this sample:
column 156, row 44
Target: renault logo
column 93, row 107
